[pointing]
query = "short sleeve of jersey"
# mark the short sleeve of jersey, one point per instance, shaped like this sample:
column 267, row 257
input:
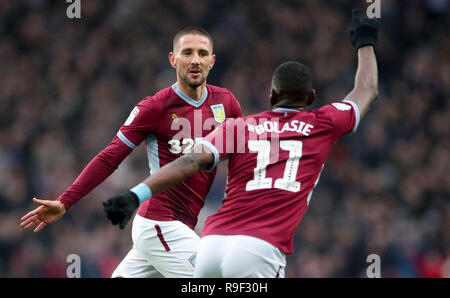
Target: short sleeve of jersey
column 344, row 117
column 224, row 140
column 142, row 121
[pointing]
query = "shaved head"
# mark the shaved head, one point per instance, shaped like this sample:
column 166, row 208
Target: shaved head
column 292, row 78
column 292, row 86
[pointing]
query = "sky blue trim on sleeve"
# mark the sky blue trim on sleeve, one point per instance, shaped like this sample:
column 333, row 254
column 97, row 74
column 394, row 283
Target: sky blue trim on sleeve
column 124, row 139
column 214, row 152
column 189, row 100
column 357, row 114
column 142, row 191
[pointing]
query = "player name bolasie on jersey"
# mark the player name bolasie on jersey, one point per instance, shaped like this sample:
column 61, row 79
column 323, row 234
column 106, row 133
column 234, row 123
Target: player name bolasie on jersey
column 274, row 126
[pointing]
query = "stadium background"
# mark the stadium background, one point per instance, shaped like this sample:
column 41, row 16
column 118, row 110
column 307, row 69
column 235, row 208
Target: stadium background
column 66, row 86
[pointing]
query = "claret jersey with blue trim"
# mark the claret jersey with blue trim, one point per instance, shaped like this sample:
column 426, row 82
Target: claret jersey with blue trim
column 275, row 159
column 169, row 123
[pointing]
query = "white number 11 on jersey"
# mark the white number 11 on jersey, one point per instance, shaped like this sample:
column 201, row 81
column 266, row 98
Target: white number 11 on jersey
column 288, row 182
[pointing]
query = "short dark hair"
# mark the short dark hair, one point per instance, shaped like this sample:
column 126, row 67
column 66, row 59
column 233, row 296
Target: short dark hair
column 192, row 30
column 292, row 79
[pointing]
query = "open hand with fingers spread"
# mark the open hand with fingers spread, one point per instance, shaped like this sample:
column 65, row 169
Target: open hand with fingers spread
column 48, row 212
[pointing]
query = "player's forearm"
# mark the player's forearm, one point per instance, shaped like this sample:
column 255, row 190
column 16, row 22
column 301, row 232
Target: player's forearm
column 172, row 174
column 367, row 73
column 97, row 170
column 175, row 172
column 365, row 90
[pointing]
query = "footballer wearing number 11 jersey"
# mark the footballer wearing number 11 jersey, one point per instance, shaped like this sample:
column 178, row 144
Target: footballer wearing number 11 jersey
column 275, row 161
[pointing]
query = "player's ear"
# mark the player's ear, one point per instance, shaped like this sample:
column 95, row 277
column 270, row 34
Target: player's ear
column 213, row 60
column 273, row 97
column 172, row 60
column 311, row 97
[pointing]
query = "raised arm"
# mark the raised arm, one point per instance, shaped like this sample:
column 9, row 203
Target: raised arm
column 365, row 91
column 364, row 34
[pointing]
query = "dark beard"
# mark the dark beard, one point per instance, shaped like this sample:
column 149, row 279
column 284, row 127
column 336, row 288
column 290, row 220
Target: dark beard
column 193, row 84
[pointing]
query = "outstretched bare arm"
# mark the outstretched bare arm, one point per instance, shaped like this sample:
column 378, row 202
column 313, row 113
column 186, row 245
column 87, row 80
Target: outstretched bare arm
column 119, row 209
column 178, row 170
column 365, row 91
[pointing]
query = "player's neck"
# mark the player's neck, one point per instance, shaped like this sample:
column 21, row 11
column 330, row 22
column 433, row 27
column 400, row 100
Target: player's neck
column 291, row 107
column 287, row 103
column 196, row 93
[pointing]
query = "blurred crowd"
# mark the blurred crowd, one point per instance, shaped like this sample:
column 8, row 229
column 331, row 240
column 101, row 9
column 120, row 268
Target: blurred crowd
column 67, row 85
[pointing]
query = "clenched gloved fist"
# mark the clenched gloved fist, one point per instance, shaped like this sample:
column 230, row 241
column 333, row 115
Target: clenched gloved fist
column 363, row 32
column 119, row 209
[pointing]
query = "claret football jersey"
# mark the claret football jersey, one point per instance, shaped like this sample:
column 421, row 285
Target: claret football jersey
column 169, row 123
column 275, row 161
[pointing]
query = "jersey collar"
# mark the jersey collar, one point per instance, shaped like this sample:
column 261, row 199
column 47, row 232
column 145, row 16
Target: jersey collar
column 282, row 110
column 187, row 98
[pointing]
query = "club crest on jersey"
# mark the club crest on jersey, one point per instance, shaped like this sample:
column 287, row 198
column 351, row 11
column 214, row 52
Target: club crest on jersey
column 342, row 106
column 218, row 112
column 133, row 115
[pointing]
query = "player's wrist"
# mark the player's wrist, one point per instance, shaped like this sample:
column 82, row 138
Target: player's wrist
column 62, row 205
column 142, row 192
column 366, row 42
column 366, row 47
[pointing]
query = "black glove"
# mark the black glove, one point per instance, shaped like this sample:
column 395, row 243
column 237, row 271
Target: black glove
column 363, row 32
column 119, row 209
